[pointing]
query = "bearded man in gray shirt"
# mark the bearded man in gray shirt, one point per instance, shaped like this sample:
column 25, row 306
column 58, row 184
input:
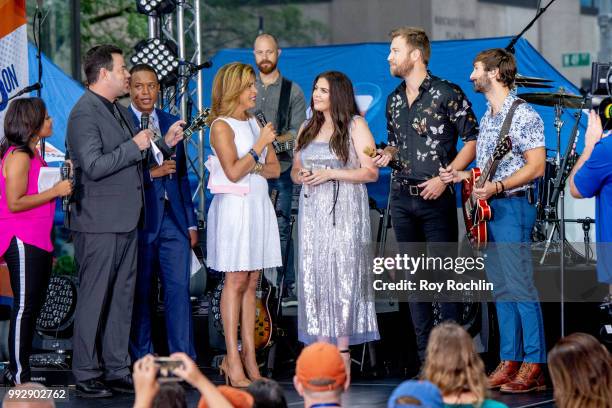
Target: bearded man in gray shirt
column 282, row 102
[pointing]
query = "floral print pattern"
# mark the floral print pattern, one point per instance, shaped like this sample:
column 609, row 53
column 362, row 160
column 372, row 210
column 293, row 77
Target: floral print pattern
column 526, row 132
column 426, row 133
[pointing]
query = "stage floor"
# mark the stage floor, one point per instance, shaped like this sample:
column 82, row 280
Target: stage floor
column 362, row 393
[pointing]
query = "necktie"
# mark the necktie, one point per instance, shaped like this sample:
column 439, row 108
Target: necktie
column 155, row 128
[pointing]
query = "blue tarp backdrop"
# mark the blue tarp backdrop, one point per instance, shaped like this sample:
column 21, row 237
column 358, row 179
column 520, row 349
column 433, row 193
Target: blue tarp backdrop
column 366, row 65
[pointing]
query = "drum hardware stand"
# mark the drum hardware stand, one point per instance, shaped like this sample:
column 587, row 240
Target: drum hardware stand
column 586, row 228
column 549, row 209
column 558, row 197
column 558, row 125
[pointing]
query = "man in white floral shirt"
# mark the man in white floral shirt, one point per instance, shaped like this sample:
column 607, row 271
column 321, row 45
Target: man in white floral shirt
column 508, row 262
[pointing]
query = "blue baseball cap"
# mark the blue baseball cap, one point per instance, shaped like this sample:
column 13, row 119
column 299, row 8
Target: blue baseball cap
column 418, row 394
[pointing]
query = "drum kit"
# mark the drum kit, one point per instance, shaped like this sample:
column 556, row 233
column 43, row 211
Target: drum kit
column 579, row 215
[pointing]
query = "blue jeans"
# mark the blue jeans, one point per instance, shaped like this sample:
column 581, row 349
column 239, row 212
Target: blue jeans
column 284, row 186
column 509, row 268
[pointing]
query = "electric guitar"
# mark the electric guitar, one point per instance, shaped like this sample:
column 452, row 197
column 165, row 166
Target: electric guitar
column 196, row 124
column 263, row 317
column 477, row 212
column 284, row 143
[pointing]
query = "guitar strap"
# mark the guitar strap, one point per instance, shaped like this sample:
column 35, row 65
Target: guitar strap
column 508, row 120
column 282, row 115
column 506, row 125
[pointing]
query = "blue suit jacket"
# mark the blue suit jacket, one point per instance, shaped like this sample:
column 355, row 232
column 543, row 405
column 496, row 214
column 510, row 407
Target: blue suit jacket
column 177, row 187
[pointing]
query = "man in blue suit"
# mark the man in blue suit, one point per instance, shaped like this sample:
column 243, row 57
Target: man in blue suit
column 169, row 232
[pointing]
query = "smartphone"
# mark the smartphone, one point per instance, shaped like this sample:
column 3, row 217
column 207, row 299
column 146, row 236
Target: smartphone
column 166, row 367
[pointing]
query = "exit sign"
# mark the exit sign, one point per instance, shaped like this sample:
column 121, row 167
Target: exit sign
column 576, row 59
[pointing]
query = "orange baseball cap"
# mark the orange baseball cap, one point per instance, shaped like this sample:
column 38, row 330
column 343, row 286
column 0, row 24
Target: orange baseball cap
column 238, row 398
column 320, row 367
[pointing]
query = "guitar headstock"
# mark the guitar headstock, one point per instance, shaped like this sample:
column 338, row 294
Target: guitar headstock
column 200, row 120
column 197, row 123
column 503, row 147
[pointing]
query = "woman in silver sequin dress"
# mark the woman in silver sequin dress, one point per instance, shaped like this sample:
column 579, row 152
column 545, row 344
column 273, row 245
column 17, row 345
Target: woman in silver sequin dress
column 335, row 301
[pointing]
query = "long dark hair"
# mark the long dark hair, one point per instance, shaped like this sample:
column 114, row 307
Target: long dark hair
column 342, row 109
column 24, row 117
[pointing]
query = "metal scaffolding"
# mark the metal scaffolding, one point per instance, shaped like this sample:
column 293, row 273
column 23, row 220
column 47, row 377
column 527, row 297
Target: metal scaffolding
column 183, row 28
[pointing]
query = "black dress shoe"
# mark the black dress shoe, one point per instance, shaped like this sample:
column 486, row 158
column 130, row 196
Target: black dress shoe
column 124, row 384
column 92, row 389
column 7, row 378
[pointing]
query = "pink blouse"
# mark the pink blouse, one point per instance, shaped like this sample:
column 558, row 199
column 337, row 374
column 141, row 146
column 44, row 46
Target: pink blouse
column 31, row 226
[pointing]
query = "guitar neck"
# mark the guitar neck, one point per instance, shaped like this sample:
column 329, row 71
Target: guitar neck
column 487, row 172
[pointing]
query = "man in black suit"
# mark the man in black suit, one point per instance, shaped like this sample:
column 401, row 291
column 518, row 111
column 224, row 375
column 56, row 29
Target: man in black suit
column 107, row 153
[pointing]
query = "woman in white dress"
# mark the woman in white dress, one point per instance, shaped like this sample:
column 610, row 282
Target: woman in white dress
column 242, row 233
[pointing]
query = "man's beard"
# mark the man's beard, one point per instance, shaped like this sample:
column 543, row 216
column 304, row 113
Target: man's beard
column 266, row 69
column 403, row 70
column 482, row 84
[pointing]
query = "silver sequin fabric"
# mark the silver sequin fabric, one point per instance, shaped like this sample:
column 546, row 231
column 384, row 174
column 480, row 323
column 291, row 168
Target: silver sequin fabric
column 335, row 261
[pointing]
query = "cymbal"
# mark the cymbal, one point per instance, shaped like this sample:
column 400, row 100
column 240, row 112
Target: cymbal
column 523, row 78
column 553, row 98
column 532, row 85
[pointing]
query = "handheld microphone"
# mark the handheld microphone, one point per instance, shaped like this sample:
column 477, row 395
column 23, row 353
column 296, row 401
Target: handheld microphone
column 261, row 118
column 144, row 121
column 144, row 124
column 65, row 175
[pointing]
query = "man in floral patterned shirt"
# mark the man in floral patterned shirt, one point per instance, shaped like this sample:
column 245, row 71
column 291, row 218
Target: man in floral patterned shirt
column 425, row 115
column 508, row 261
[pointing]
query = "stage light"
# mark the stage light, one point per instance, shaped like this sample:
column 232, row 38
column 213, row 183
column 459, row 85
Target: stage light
column 155, row 7
column 161, row 56
column 57, row 313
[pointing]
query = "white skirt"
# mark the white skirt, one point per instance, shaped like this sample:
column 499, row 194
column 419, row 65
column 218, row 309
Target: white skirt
column 242, row 231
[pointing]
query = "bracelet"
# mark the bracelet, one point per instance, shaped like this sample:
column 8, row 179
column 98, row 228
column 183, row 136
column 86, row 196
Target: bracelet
column 496, row 188
column 258, row 168
column 253, row 153
column 503, row 187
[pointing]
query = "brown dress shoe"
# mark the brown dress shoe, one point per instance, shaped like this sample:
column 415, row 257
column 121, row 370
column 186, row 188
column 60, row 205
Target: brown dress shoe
column 503, row 374
column 529, row 378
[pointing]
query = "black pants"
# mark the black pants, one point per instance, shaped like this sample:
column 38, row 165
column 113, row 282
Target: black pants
column 419, row 220
column 29, row 269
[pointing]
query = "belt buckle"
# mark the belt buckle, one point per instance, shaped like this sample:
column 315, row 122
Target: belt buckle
column 413, row 190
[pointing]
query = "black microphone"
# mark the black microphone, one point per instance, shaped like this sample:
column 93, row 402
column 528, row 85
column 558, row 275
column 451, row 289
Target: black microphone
column 144, row 121
column 27, row 89
column 144, row 124
column 65, row 175
column 193, row 68
column 261, row 118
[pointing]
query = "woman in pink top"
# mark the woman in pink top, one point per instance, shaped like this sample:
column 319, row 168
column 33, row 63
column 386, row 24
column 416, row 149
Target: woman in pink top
column 26, row 219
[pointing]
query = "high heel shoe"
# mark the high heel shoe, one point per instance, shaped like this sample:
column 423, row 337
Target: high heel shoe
column 224, row 370
column 346, row 357
column 246, row 367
